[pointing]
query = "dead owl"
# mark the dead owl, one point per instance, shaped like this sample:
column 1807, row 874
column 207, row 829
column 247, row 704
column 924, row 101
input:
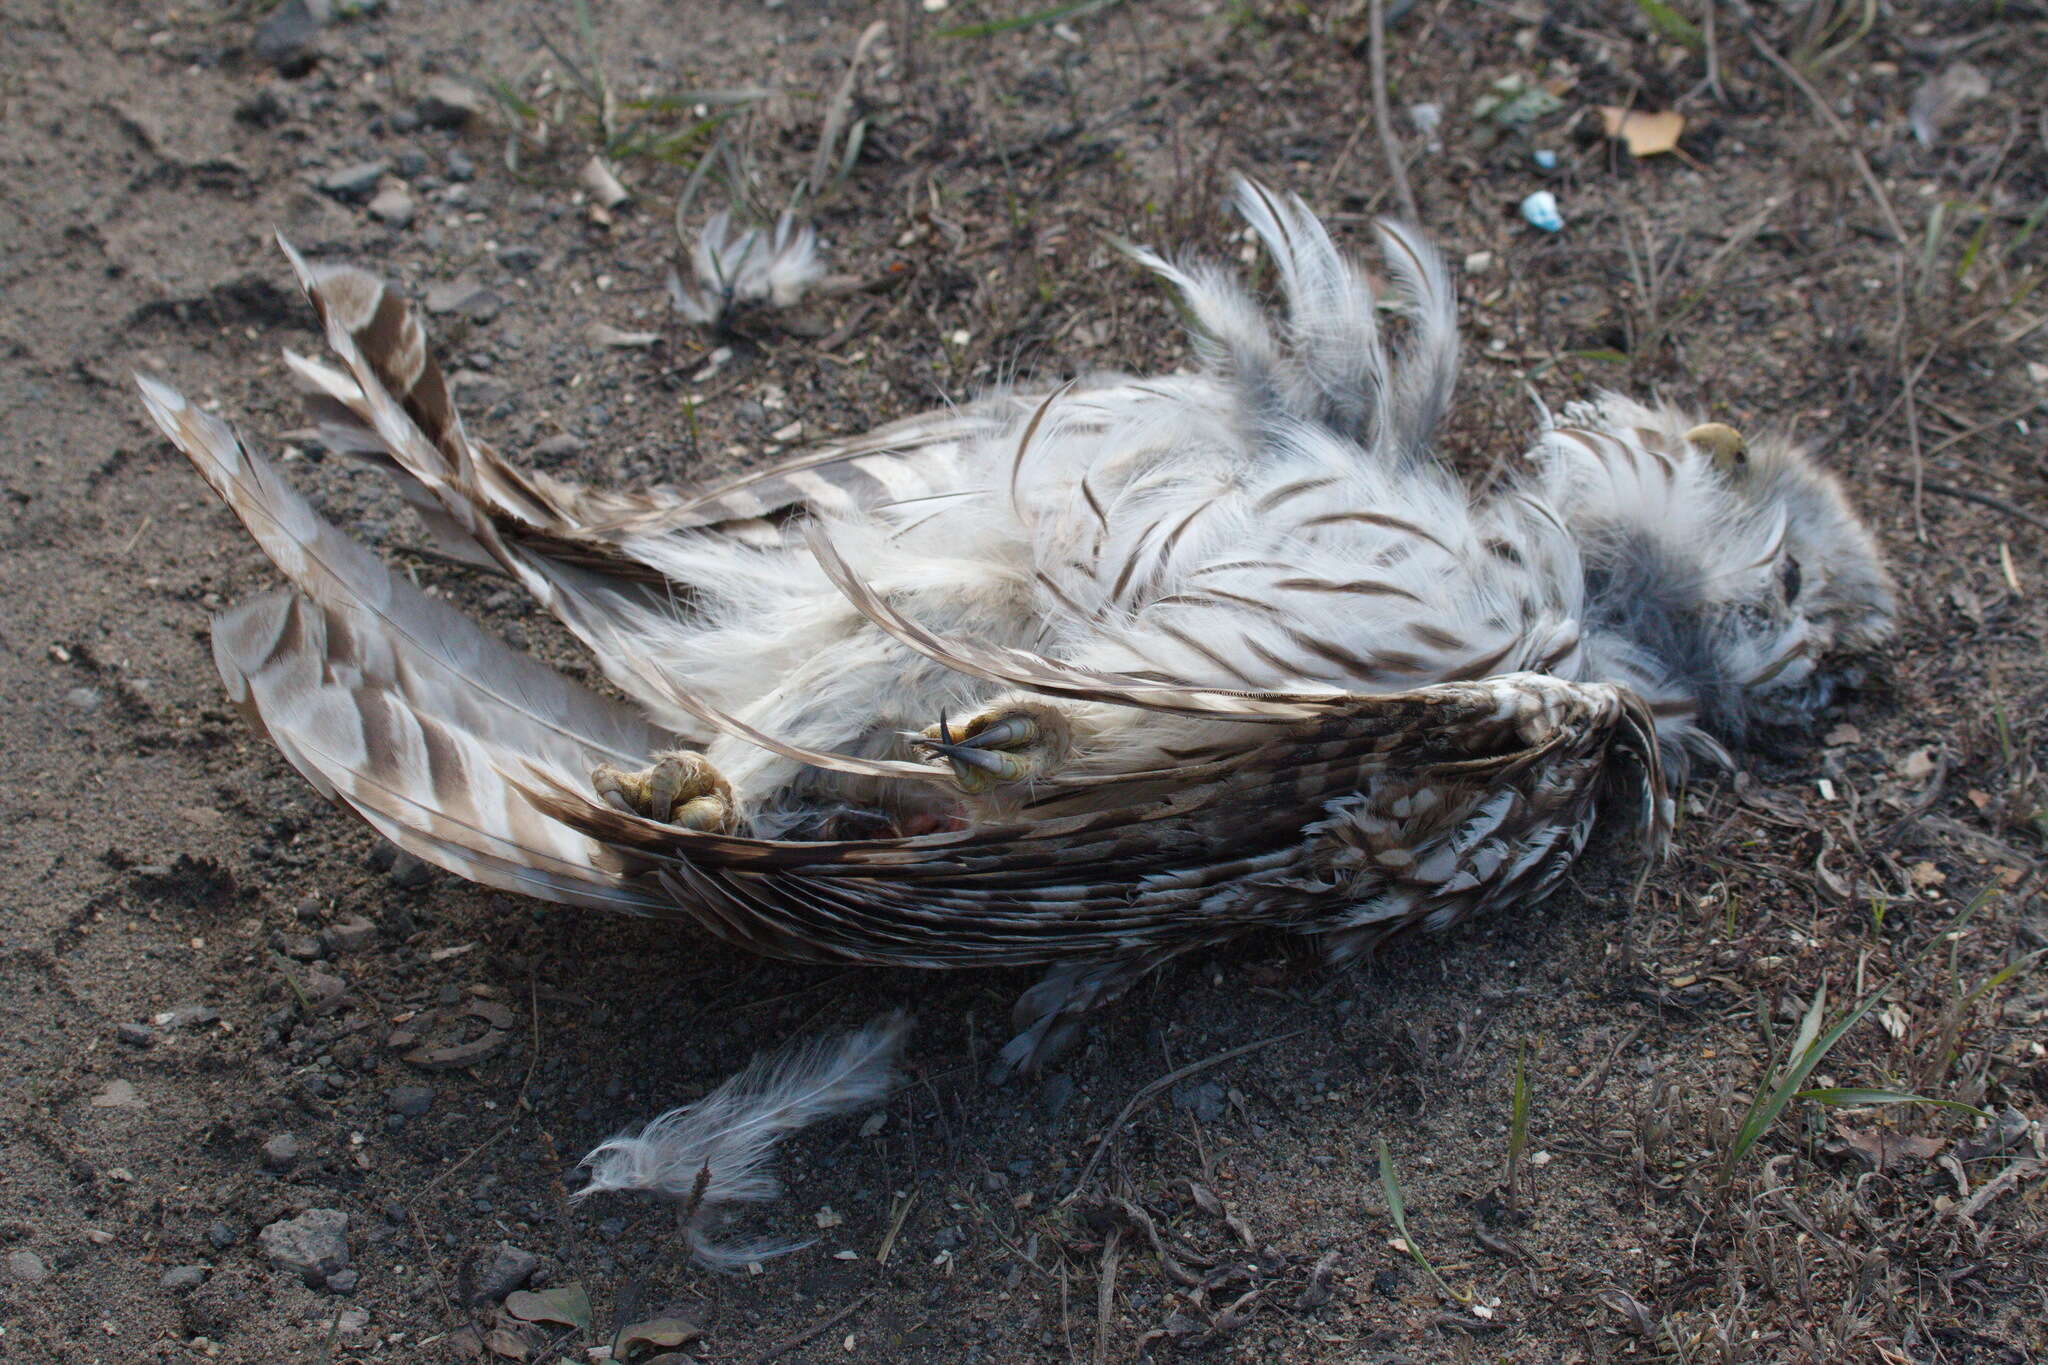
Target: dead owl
column 1087, row 678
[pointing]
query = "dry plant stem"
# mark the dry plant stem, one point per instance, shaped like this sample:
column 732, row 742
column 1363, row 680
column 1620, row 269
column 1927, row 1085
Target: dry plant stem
column 1105, row 1294
column 783, row 1348
column 1835, row 125
column 841, row 108
column 1390, row 142
column 1152, row 1092
column 1968, row 495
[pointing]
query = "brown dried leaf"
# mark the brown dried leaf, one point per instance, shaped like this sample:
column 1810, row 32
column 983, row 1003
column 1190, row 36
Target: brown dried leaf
column 1883, row 1148
column 567, row 1305
column 661, row 1333
column 1643, row 132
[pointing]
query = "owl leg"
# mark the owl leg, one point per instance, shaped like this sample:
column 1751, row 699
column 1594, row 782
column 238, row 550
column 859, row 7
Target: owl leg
column 1004, row 745
column 677, row 789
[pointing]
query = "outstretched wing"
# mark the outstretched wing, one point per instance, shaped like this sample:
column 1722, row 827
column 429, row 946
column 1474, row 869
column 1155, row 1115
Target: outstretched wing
column 398, row 707
column 390, row 403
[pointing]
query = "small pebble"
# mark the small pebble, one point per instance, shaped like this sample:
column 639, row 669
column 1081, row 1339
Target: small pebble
column 445, row 102
column 281, row 1153
column 136, row 1035
column 25, row 1267
column 1540, row 211
column 521, row 259
column 394, row 206
column 354, row 182
column 180, row 1278
column 344, row 1281
column 460, row 167
column 220, row 1236
column 349, row 935
column 508, row 1268
column 410, row 1100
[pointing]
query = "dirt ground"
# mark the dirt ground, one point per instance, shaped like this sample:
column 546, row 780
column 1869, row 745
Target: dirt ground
column 210, row 981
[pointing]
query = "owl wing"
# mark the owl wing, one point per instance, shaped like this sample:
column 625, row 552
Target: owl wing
column 1346, row 814
column 398, row 707
column 389, row 403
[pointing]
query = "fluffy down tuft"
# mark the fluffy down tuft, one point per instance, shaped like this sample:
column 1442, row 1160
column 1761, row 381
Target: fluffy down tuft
column 716, row 1152
column 753, row 266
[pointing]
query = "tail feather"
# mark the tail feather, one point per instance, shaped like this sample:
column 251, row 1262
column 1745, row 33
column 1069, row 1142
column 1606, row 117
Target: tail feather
column 1427, row 370
column 1332, row 320
column 399, row 707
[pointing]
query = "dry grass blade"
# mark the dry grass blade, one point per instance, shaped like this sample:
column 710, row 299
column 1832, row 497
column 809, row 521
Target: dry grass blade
column 1397, row 1209
column 1023, row 21
column 1382, row 115
column 1850, row 1097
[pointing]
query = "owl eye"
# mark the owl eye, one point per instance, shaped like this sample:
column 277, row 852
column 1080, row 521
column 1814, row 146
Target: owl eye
column 1788, row 579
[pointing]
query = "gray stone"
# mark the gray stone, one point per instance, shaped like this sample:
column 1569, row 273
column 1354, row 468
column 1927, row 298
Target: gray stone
column 349, row 935
column 355, row 182
column 394, row 206
column 467, row 297
column 180, row 1279
column 508, row 1268
column 558, row 447
column 344, row 1281
column 281, row 1153
column 1205, row 1099
column 445, row 102
column 220, row 1236
column 286, row 36
column 521, row 259
column 136, row 1035
column 407, row 872
column 84, row 698
column 410, row 1100
column 186, row 1016
column 313, row 1245
column 460, row 167
column 304, row 947
column 25, row 1267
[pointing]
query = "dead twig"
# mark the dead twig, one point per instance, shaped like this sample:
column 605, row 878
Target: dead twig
column 1382, row 114
column 783, row 1348
column 1105, row 1294
column 1835, row 125
column 1152, row 1092
column 1968, row 495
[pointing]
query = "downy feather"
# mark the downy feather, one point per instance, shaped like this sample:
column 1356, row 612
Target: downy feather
column 716, row 1152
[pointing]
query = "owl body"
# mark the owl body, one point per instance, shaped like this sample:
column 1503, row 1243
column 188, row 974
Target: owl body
column 1086, row 678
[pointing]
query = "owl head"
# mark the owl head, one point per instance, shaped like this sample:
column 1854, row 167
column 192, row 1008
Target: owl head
column 1726, row 571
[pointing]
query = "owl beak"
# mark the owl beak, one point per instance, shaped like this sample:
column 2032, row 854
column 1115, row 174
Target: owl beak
column 1723, row 444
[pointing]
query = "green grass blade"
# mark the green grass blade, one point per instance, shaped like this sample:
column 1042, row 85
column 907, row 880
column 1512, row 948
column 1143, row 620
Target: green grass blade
column 1844, row 1096
column 1672, row 26
column 1518, row 1115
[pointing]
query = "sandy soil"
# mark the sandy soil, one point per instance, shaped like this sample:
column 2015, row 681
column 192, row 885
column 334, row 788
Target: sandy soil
column 209, row 980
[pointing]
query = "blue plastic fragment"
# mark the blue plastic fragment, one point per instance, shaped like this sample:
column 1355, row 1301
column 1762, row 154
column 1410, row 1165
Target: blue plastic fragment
column 1540, row 211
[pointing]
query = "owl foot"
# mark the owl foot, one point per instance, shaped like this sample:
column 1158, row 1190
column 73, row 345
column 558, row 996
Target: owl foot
column 676, row 789
column 1002, row 746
